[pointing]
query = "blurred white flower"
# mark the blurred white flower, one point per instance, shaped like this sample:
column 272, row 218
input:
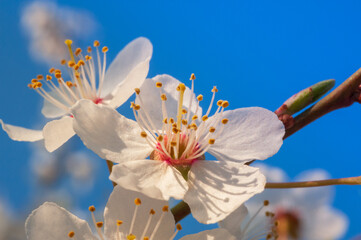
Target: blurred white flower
column 301, row 213
column 49, row 24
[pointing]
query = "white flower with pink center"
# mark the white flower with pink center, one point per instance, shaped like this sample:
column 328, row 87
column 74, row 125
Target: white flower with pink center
column 171, row 130
column 88, row 79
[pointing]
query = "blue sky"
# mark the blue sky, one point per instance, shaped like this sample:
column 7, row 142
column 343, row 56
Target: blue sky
column 258, row 53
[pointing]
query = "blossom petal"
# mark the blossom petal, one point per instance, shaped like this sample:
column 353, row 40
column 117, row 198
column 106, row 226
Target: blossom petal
column 58, row 132
column 128, row 71
column 216, row 189
column 251, row 133
column 121, row 206
column 21, row 134
column 107, row 133
column 152, row 103
column 49, row 110
column 154, row 178
column 50, row 221
column 214, row 234
column 233, row 222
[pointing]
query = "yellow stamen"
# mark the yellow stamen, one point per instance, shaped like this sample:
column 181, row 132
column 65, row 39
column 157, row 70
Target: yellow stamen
column 71, row 234
column 143, row 134
column 71, row 63
column 63, row 62
column 77, row 52
column 266, row 202
column 99, row 224
column 193, row 77
column 68, row 42
column 214, row 89
column 211, row 141
column 195, row 117
column 152, row 212
column 119, row 222
column 34, row 80
column 173, row 144
column 160, row 138
column 225, row 104
column 51, row 70
column 158, row 84
column 137, row 201
column 48, row 78
column 105, row 49
column 131, row 237
column 200, row 97
column 204, row 118
column 89, row 49
column 165, row 208
column 40, row 77
column 96, row 43
column 212, row 129
column 137, row 90
column 92, row 209
column 179, row 227
column 219, row 103
column 181, row 90
column 163, row 97
column 184, row 122
column 184, row 111
column 225, row 121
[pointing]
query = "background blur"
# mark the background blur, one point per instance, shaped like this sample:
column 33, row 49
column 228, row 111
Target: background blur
column 258, row 53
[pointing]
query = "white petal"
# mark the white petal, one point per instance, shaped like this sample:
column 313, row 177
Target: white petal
column 121, row 206
column 233, row 222
column 214, row 234
column 128, row 70
column 216, row 189
column 154, row 178
column 49, row 110
column 324, row 223
column 21, row 134
column 107, row 133
column 52, row 222
column 58, row 132
column 150, row 96
column 251, row 133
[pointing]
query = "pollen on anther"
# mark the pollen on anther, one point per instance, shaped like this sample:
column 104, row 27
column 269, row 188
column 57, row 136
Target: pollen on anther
column 184, row 111
column 146, row 238
column 163, row 97
column 265, row 202
column 225, row 121
column 48, row 78
column 105, row 49
column 137, row 201
column 165, row 208
column 40, row 77
column 181, row 87
column 137, row 90
column 71, row 64
column 89, row 49
column 193, row 77
column 173, row 144
column 58, row 75
column 171, row 120
column 160, row 138
column 30, row 85
column 152, row 212
column 212, row 129
column 179, row 227
column 96, row 43
column 225, row 104
column 195, row 117
column 211, row 141
column 81, row 63
column 119, row 222
column 71, row 234
column 165, row 120
column 131, row 237
column 158, row 84
column 136, row 107
column 51, row 70
column 214, row 89
column 77, row 51
column 99, row 224
column 200, row 97
column 68, row 42
column 175, row 130
column 92, row 209
column 184, row 122
column 87, row 58
column 143, row 134
column 204, row 118
column 34, row 80
column 219, row 103
column 63, row 62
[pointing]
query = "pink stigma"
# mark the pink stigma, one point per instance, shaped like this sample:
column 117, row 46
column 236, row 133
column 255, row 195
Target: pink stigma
column 98, row 100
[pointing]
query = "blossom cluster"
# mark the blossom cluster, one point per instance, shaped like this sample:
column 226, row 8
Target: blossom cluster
column 173, row 149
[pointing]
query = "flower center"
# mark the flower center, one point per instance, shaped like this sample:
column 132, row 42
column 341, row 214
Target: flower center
column 182, row 139
column 84, row 82
column 289, row 224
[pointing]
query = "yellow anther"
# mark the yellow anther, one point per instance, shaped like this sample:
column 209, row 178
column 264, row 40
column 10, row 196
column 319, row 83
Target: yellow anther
column 184, row 111
column 91, row 209
column 152, row 212
column 136, row 107
column 146, row 238
column 68, row 42
column 40, row 77
column 195, row 117
column 105, row 49
column 71, row 234
column 51, row 70
column 137, row 201
column 181, row 87
column 267, row 213
column 171, row 120
column 119, row 222
column 160, row 138
column 212, row 129
column 34, row 80
column 137, row 90
column 179, row 227
column 30, row 86
column 89, row 49
column 175, row 130
column 131, row 237
column 225, row 121
column 77, row 51
column 163, row 97
column 63, row 62
column 71, row 63
column 165, row 120
column 211, row 141
column 265, row 202
column 174, row 125
column 39, row 85
column 58, row 75
column 99, row 224
column 96, row 43
column 173, row 144
column 214, row 89
column 57, row 71
column 204, row 118
column 193, row 77
column 200, row 97
column 225, row 104
column 81, row 63
column 87, row 58
column 194, row 126
column 219, row 103
column 48, row 77
column 165, row 208
column 184, row 122
column 69, row 84
column 76, row 67
column 158, row 84
column 132, row 105
column 143, row 134
column 77, row 75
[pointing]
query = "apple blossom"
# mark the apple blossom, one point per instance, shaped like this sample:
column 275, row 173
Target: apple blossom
column 88, row 80
column 175, row 135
